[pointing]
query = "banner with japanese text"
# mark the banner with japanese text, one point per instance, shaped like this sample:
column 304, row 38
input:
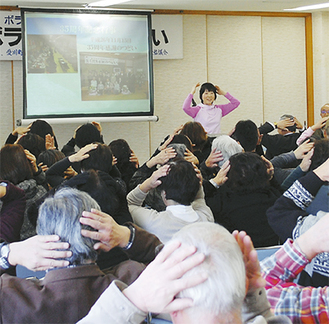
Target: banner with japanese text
column 167, row 34
column 10, row 35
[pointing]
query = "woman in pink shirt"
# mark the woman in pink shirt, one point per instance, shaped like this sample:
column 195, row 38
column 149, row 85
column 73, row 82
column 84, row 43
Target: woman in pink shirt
column 206, row 113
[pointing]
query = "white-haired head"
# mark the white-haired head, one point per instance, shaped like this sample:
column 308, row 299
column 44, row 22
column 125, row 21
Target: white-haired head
column 227, row 145
column 222, row 294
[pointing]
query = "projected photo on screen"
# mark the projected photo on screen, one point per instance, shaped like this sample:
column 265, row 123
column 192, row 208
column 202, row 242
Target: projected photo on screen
column 86, row 63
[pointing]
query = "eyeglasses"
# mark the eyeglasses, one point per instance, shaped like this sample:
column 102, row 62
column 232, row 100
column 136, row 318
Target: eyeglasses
column 324, row 111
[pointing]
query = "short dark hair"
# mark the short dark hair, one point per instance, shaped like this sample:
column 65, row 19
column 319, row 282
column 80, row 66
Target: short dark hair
column 248, row 173
column 246, row 133
column 34, row 143
column 100, row 158
column 87, row 134
column 207, row 86
column 14, row 165
column 42, row 128
column 320, row 154
column 181, row 184
column 49, row 157
column 121, row 150
column 182, row 139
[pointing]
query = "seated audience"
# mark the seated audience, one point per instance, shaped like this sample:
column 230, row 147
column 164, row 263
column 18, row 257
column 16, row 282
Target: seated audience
column 12, row 208
column 182, row 194
column 221, row 289
column 298, row 209
column 286, row 138
column 247, row 135
column 126, row 160
column 20, row 168
column 66, row 294
column 240, row 194
column 301, row 304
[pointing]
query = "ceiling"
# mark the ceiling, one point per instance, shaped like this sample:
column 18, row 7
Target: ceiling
column 214, row 5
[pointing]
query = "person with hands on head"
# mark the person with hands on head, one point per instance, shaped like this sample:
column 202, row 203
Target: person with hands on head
column 206, row 113
column 302, row 304
column 154, row 291
column 318, row 131
column 180, row 188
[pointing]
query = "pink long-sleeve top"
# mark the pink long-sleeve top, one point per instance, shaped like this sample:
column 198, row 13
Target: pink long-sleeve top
column 210, row 116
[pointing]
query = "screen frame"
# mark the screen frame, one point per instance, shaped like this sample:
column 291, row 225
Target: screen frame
column 89, row 11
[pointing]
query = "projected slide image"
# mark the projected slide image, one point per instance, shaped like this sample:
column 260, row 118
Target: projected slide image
column 52, row 54
column 113, row 76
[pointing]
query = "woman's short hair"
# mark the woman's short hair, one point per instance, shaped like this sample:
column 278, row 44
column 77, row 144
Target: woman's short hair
column 196, row 133
column 223, row 292
column 320, row 154
column 246, row 133
column 42, row 128
column 34, row 143
column 87, row 134
column 207, row 86
column 50, row 157
column 181, row 184
column 100, row 158
column 121, row 150
column 248, row 173
column 60, row 215
column 14, row 165
column 182, row 139
column 227, row 145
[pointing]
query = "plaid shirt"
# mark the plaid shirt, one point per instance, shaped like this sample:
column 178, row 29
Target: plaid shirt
column 301, row 304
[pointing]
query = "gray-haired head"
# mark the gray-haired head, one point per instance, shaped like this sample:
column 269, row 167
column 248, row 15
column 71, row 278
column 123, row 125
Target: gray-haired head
column 60, row 215
column 180, row 149
column 227, row 145
column 286, row 116
column 222, row 294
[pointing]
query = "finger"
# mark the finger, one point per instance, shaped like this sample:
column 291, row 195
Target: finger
column 167, row 250
column 178, row 304
column 96, row 224
column 48, row 238
column 50, row 254
column 92, row 234
column 55, row 245
column 48, row 264
column 102, row 246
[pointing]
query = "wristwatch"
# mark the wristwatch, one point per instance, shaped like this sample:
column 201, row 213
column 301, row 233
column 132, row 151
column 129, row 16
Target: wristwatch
column 4, row 253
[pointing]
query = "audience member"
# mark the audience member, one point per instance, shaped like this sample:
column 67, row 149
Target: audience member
column 12, row 208
column 126, row 159
column 317, row 131
column 240, row 194
column 286, row 138
column 34, row 143
column 66, row 294
column 182, row 194
column 19, row 167
column 169, row 284
column 206, row 113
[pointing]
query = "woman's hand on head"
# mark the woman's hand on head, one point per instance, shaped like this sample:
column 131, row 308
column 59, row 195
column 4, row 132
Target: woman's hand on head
column 82, row 154
column 220, row 91
column 32, row 160
column 194, row 88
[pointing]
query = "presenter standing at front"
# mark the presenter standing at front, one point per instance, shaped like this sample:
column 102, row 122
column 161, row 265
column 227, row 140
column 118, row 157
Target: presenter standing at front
column 206, row 113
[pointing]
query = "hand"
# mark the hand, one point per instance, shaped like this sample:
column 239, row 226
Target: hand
column 190, row 157
column 162, row 157
column 320, row 124
column 213, row 158
column 298, row 124
column 50, row 142
column 153, row 181
column 3, row 191
column 306, row 162
column 194, row 88
column 178, row 129
column 109, row 233
column 82, row 154
column 269, row 166
column 166, row 143
column 70, row 173
column 220, row 91
column 315, row 239
column 303, row 149
column 114, row 160
column 21, row 130
column 43, row 167
column 32, row 159
column 98, row 126
column 134, row 159
column 39, row 253
column 283, row 124
column 221, row 176
column 156, row 288
column 322, row 171
column 250, row 258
